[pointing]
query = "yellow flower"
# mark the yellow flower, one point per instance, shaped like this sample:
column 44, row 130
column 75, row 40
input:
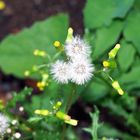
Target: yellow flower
column 106, row 64
column 57, row 105
column 2, row 5
column 57, row 44
column 27, row 73
column 72, row 122
column 114, row 51
column 116, row 86
column 41, row 85
column 39, row 53
column 42, row 112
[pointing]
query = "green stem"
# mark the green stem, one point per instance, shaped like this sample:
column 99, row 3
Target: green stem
column 70, row 99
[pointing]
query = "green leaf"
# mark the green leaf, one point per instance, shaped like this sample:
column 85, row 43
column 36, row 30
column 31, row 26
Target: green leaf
column 126, row 55
column 16, row 51
column 131, row 77
column 110, row 131
column 101, row 12
column 132, row 30
column 137, row 5
column 38, row 102
column 93, row 130
column 95, row 91
column 130, row 80
column 106, row 37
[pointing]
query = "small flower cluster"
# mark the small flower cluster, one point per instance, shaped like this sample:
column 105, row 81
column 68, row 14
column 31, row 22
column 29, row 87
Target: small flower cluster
column 44, row 82
column 12, row 131
column 78, row 68
column 55, row 112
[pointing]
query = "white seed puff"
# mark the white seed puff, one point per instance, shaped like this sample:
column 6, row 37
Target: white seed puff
column 77, row 47
column 81, row 70
column 60, row 71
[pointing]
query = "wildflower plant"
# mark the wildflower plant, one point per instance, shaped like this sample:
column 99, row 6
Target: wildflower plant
column 67, row 67
column 74, row 68
column 78, row 67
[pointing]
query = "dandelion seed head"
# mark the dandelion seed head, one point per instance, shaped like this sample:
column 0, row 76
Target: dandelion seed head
column 81, row 71
column 60, row 71
column 4, row 123
column 77, row 47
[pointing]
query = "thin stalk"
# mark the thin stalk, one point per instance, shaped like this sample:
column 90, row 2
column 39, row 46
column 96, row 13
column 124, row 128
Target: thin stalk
column 70, row 99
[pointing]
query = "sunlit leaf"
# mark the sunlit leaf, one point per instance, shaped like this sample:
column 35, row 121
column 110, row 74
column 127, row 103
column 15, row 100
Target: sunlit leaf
column 126, row 55
column 16, row 51
column 106, row 37
column 101, row 12
column 132, row 30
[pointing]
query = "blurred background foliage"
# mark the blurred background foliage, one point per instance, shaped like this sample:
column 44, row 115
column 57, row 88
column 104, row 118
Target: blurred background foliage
column 106, row 22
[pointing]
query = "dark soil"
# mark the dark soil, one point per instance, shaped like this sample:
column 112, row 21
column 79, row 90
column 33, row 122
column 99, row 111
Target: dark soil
column 23, row 13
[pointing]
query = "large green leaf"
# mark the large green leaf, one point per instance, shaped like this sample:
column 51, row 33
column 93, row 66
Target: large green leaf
column 130, row 80
column 95, row 91
column 101, row 12
column 106, row 37
column 137, row 5
column 109, row 131
column 131, row 77
column 126, row 55
column 132, row 30
column 16, row 51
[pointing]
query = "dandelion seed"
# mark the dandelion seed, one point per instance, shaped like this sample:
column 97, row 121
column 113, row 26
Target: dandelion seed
column 77, row 47
column 60, row 71
column 4, row 123
column 81, row 71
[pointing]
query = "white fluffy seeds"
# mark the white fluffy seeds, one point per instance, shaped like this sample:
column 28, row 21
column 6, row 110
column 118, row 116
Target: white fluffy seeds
column 60, row 71
column 79, row 69
column 4, row 123
column 77, row 47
